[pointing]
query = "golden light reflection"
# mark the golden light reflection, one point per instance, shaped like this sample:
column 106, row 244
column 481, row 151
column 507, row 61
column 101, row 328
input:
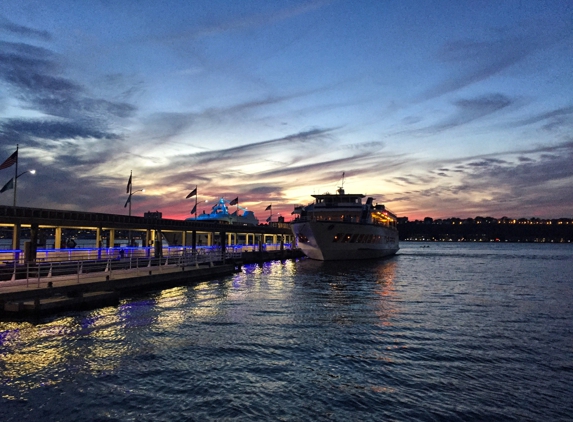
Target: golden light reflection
column 207, row 301
column 35, row 349
column 170, row 302
column 386, row 290
column 260, row 277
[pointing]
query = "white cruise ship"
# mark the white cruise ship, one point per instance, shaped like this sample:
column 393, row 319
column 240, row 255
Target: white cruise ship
column 340, row 227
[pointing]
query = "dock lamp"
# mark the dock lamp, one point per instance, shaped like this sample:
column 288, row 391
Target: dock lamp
column 12, row 184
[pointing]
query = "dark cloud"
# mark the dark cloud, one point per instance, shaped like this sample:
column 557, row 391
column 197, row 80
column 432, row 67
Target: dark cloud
column 486, row 162
column 405, row 180
column 537, row 181
column 474, row 61
column 259, row 149
column 468, row 110
column 525, row 159
column 264, row 190
column 166, row 126
column 560, row 117
column 19, row 30
column 34, row 75
column 28, row 131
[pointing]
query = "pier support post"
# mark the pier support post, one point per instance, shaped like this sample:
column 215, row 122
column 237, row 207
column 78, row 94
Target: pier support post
column 98, row 242
column 58, row 238
column 158, row 244
column 16, row 237
column 223, row 236
column 111, row 238
column 30, row 252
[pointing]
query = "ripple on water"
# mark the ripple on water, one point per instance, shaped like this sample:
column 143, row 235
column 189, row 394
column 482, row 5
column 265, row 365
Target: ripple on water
column 449, row 332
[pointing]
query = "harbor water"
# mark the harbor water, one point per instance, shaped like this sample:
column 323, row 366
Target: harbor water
column 441, row 331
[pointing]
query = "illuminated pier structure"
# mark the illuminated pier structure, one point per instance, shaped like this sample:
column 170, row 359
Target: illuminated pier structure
column 151, row 227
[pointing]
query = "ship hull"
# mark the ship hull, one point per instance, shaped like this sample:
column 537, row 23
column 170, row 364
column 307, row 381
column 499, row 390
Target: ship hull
column 328, row 241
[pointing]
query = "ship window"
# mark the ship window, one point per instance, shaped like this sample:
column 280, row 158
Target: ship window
column 368, row 239
column 354, row 237
column 302, row 238
column 338, row 237
column 346, row 238
column 360, row 238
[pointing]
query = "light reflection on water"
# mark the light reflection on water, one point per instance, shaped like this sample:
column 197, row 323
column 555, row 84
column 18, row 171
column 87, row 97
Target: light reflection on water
column 442, row 332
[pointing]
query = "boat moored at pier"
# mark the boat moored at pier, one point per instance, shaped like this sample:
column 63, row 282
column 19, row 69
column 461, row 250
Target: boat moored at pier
column 220, row 214
column 341, row 227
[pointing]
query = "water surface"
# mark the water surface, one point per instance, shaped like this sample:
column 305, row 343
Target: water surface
column 441, row 331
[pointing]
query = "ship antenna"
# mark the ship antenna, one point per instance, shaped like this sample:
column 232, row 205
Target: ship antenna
column 341, row 188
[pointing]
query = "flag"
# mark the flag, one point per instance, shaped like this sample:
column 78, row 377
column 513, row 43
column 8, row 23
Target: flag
column 269, row 218
column 234, row 201
column 193, row 193
column 128, row 184
column 128, row 201
column 8, row 186
column 10, row 161
column 194, row 209
column 269, row 207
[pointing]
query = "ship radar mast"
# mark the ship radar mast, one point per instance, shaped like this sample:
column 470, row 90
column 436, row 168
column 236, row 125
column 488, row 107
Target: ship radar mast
column 340, row 190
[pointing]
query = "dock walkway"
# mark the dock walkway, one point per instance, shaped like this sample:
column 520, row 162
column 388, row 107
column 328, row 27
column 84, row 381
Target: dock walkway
column 99, row 284
column 24, row 296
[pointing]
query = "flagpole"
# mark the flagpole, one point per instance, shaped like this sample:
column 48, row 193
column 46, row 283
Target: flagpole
column 130, row 190
column 196, row 199
column 16, row 176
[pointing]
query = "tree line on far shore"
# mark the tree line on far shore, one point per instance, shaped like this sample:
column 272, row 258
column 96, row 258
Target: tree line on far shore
column 487, row 229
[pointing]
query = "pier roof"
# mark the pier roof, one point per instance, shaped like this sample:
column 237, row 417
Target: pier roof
column 83, row 219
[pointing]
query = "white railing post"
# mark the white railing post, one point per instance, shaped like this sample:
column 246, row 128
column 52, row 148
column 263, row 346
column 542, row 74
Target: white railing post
column 14, row 273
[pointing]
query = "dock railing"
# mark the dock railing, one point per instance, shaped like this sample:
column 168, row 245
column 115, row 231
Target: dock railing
column 65, row 272
column 10, row 256
column 83, row 264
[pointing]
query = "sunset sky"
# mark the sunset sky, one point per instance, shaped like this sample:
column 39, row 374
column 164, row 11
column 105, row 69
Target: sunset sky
column 435, row 108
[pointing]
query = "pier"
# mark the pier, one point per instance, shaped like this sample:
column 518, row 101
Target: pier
column 152, row 229
column 38, row 279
